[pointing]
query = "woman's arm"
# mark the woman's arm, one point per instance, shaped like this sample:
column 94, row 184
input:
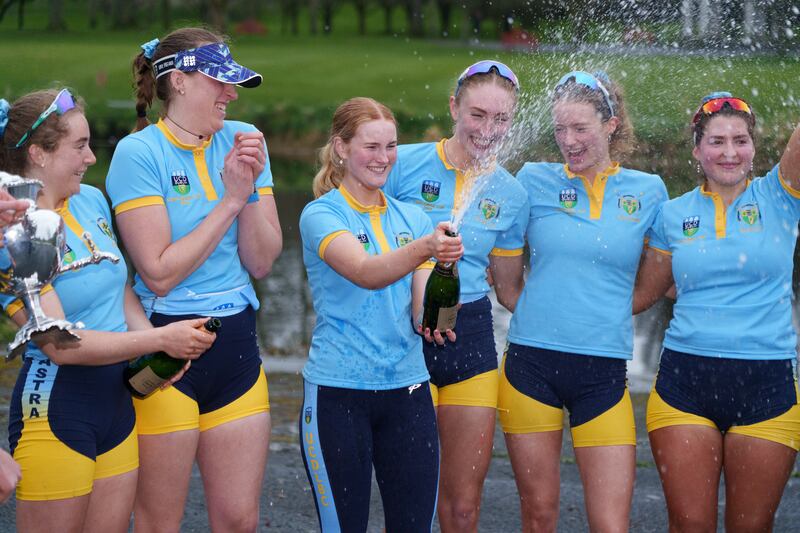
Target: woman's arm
column 653, row 279
column 790, row 161
column 507, row 273
column 349, row 259
column 260, row 238
column 182, row 340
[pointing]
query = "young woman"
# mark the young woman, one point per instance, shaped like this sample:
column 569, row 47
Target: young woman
column 71, row 422
column 193, row 200
column 572, row 331
column 366, row 396
column 458, row 175
column 726, row 398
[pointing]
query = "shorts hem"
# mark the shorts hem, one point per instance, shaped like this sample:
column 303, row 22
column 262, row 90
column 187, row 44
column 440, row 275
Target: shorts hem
column 661, row 425
column 603, row 443
column 122, row 469
column 231, row 418
column 60, row 495
column 161, row 430
column 536, row 429
column 468, row 403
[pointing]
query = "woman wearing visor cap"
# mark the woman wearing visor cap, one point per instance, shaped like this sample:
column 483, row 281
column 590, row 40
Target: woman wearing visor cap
column 71, row 419
column 193, row 200
column 725, row 398
column 572, row 333
column 459, row 174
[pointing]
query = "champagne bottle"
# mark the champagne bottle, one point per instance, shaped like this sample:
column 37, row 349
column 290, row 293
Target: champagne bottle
column 440, row 305
column 147, row 373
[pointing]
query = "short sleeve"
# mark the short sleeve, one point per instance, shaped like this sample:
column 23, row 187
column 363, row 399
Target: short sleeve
column 511, row 241
column 656, row 235
column 134, row 178
column 779, row 192
column 319, row 223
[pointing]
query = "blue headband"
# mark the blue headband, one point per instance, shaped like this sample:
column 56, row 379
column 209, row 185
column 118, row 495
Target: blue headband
column 149, row 48
column 4, row 107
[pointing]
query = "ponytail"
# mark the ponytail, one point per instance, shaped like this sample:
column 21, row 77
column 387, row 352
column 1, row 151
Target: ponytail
column 331, row 171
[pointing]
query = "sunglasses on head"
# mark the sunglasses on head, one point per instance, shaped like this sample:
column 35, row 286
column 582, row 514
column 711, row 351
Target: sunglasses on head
column 580, row 77
column 716, row 102
column 63, row 102
column 485, row 67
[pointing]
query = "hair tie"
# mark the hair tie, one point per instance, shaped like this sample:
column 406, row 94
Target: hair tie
column 142, row 113
column 149, row 48
column 4, row 107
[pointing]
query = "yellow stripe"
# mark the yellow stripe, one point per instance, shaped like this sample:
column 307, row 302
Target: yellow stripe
column 427, row 265
column 595, row 190
column 202, row 173
column 375, row 221
column 17, row 304
column 659, row 250
column 789, row 189
column 459, row 176
column 72, row 223
column 138, row 202
column 326, row 241
column 263, row 191
column 720, row 218
column 500, row 252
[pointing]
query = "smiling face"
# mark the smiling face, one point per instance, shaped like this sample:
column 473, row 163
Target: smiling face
column 65, row 166
column 582, row 136
column 368, row 156
column 207, row 100
column 482, row 116
column 725, row 151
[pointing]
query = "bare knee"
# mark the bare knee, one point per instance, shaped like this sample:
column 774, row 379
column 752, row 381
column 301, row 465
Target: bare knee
column 538, row 514
column 460, row 513
column 685, row 523
column 236, row 521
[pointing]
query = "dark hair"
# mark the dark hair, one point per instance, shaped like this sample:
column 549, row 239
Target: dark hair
column 21, row 116
column 483, row 78
column 346, row 120
column 699, row 128
column 145, row 85
column 622, row 141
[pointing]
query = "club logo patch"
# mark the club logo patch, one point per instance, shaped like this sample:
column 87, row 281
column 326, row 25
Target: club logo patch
column 430, row 190
column 749, row 214
column 568, row 198
column 68, row 255
column 105, row 227
column 691, row 225
column 180, row 182
column 307, row 416
column 629, row 204
column 363, row 239
column 489, row 208
column 403, row 238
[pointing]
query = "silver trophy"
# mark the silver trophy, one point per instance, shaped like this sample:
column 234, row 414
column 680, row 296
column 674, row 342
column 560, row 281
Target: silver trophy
column 31, row 258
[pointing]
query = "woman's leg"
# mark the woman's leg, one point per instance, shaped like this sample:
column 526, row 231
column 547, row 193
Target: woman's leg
column 111, row 504
column 65, row 515
column 607, row 473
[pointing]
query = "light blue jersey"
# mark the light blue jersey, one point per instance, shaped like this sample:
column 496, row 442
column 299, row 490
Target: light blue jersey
column 585, row 243
column 152, row 167
column 494, row 223
column 363, row 339
column 732, row 269
column 94, row 294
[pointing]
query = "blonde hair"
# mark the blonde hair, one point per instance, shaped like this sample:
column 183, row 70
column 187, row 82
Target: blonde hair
column 146, row 86
column 346, row 120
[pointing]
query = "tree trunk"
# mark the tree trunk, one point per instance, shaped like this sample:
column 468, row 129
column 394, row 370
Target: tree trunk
column 414, row 16
column 217, row 11
column 361, row 12
column 55, row 20
column 166, row 14
column 445, row 15
column 313, row 13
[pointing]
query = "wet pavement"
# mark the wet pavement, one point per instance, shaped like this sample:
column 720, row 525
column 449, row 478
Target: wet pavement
column 287, row 503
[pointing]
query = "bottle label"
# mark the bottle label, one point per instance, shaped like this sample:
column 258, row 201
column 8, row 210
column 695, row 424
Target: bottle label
column 447, row 318
column 145, row 381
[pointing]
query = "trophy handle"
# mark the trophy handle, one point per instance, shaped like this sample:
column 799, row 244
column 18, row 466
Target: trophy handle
column 96, row 256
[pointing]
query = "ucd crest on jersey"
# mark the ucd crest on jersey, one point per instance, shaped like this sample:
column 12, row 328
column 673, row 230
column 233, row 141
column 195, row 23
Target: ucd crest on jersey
column 749, row 214
column 105, row 227
column 691, row 225
column 180, row 182
column 403, row 238
column 629, row 204
column 430, row 190
column 363, row 238
column 489, row 208
column 568, row 198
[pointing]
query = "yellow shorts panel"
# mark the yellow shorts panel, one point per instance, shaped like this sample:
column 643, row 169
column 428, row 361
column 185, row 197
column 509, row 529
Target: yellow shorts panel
column 51, row 470
column 477, row 391
column 255, row 400
column 520, row 413
column 614, row 427
column 660, row 414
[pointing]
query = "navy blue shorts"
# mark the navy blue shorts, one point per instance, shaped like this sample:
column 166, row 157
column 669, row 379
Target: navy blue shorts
column 729, row 392
column 344, row 432
column 229, row 369
column 474, row 351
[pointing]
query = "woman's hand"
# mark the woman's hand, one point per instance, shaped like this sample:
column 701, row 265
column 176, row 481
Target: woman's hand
column 187, row 339
column 174, row 379
column 243, row 164
column 446, row 249
column 436, row 336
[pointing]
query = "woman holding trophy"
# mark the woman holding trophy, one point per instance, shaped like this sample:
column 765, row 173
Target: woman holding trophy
column 71, row 423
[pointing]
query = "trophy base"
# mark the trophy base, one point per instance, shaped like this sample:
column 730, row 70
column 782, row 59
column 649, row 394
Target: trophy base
column 50, row 330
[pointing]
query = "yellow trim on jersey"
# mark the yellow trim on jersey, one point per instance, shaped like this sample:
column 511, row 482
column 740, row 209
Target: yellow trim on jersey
column 375, row 212
column 720, row 218
column 595, row 190
column 264, row 191
column 501, row 252
column 138, row 202
column 199, row 155
column 459, row 175
column 427, row 265
column 17, row 304
column 659, row 250
column 72, row 223
column 326, row 241
column 789, row 189
column 377, row 227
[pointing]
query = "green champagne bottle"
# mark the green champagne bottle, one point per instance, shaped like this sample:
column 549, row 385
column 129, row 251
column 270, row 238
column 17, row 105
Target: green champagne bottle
column 147, row 373
column 440, row 305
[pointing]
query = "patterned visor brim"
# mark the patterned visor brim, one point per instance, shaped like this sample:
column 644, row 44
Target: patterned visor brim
column 213, row 60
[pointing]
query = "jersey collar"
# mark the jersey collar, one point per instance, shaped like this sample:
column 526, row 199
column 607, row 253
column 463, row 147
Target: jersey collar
column 361, row 208
column 174, row 140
